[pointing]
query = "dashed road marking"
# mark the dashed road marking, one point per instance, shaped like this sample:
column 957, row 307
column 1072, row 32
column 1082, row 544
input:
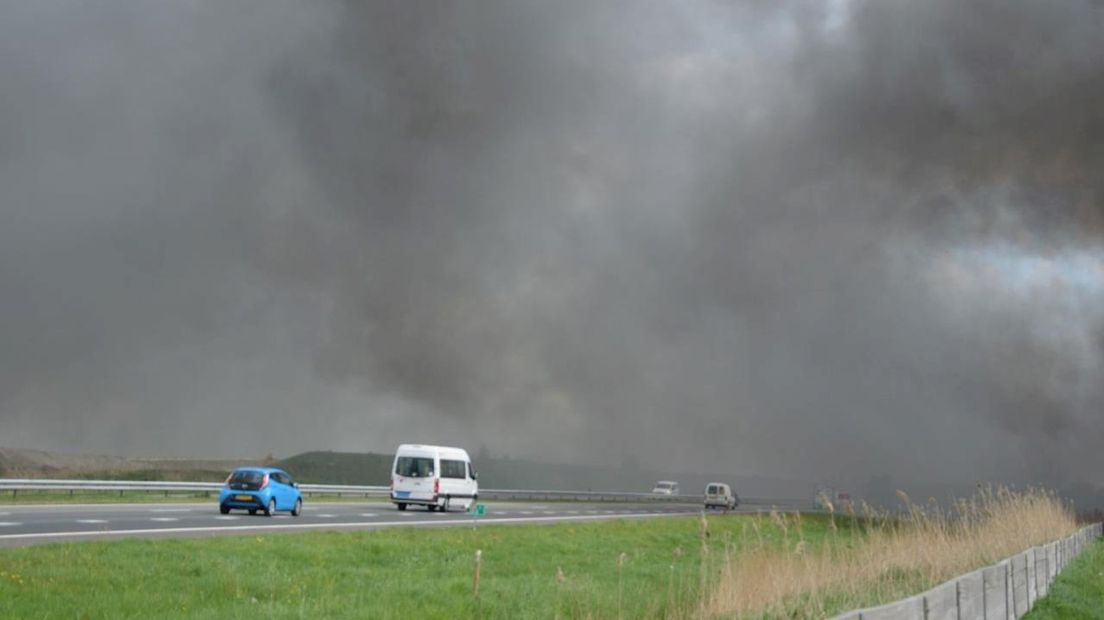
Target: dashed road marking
column 548, row 512
column 326, row 516
column 91, row 521
column 9, row 524
column 525, row 512
column 164, row 519
column 227, row 517
column 368, row 514
column 170, row 509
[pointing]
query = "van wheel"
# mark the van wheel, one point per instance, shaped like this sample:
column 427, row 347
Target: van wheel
column 401, row 506
column 445, row 508
column 430, row 507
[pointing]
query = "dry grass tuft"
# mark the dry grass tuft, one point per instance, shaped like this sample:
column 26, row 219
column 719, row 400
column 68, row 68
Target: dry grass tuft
column 882, row 557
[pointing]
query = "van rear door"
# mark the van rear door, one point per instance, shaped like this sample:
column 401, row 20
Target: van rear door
column 413, row 477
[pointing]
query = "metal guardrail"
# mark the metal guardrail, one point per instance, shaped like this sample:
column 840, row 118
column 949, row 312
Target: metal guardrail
column 15, row 485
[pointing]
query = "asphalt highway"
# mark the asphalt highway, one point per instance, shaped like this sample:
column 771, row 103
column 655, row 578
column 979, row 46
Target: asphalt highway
column 28, row 525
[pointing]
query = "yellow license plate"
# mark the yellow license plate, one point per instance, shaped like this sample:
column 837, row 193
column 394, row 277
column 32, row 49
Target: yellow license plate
column 244, row 498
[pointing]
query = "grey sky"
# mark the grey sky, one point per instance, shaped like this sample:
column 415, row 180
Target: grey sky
column 814, row 239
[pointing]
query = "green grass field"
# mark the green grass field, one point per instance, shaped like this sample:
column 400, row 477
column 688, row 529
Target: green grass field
column 545, row 571
column 1078, row 593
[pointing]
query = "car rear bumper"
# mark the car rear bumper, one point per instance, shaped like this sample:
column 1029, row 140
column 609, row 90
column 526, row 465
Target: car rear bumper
column 238, row 499
column 400, row 498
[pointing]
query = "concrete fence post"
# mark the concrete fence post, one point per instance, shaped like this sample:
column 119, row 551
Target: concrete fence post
column 1032, row 592
column 995, row 591
column 971, row 596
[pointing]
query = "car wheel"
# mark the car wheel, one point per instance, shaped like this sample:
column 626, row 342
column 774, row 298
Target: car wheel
column 401, row 506
column 298, row 509
column 253, row 511
column 224, row 509
column 271, row 508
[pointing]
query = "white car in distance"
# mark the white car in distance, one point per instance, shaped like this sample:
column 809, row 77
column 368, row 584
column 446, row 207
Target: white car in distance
column 666, row 487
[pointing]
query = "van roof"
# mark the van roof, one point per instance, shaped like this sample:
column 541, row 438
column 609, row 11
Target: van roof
column 417, row 447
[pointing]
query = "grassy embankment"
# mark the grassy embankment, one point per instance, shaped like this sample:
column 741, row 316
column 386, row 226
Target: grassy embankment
column 1078, row 593
column 721, row 566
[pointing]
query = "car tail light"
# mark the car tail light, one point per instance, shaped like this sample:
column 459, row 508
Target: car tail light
column 436, row 486
column 264, row 481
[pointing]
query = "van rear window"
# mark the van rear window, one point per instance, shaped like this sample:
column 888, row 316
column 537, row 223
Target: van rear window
column 454, row 469
column 713, row 490
column 414, row 467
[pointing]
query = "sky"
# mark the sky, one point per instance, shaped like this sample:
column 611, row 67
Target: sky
column 821, row 240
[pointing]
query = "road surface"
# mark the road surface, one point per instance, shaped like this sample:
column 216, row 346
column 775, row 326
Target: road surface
column 28, row 525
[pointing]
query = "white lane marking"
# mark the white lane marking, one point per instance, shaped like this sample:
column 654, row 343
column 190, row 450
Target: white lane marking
column 9, row 524
column 227, row 517
column 368, row 514
column 549, row 512
column 91, row 521
column 502, row 512
column 164, row 519
column 326, row 516
column 4, row 514
column 304, row 526
column 572, row 512
column 170, row 509
column 525, row 512
column 406, row 514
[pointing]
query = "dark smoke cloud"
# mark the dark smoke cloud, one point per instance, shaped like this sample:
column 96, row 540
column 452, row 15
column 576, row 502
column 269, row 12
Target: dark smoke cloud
column 829, row 240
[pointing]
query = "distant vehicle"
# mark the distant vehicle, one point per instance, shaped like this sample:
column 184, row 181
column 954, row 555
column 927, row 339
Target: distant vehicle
column 261, row 488
column 437, row 477
column 720, row 495
column 666, row 487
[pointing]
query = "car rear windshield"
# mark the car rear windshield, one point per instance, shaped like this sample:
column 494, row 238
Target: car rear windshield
column 414, row 466
column 249, row 480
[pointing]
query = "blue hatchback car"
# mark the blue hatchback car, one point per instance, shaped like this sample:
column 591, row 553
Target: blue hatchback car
column 261, row 488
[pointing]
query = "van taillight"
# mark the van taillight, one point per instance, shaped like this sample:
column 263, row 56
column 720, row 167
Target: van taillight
column 436, row 486
column 264, row 481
